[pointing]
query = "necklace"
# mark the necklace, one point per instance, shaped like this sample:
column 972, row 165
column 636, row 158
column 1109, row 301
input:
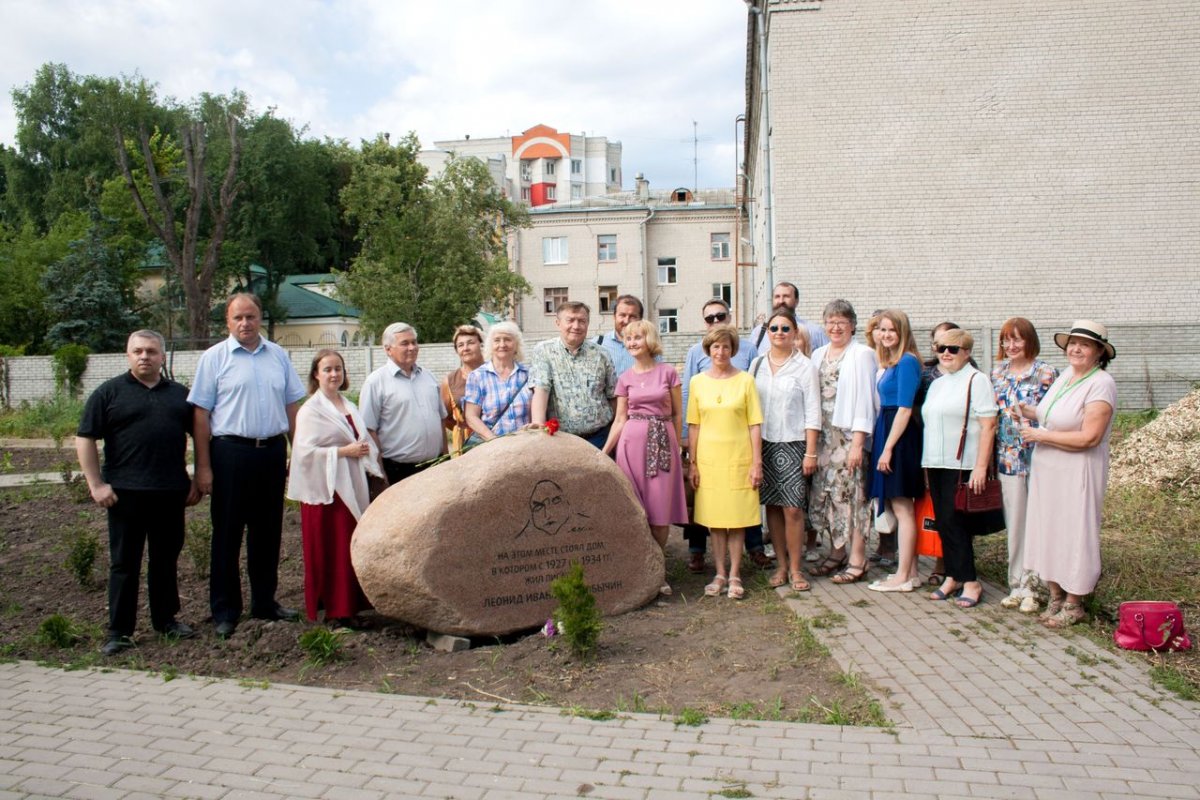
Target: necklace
column 773, row 363
column 1067, row 388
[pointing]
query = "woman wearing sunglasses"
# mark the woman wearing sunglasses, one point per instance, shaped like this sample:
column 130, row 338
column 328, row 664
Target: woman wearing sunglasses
column 790, row 394
column 839, row 505
column 896, row 478
column 959, row 400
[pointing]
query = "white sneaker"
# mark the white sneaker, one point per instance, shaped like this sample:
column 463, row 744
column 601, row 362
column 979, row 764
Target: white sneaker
column 1014, row 599
column 1030, row 605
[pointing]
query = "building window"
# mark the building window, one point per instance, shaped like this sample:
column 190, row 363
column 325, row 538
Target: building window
column 606, row 247
column 554, row 250
column 576, row 166
column 526, row 171
column 668, row 320
column 525, row 193
column 551, row 193
column 723, row 291
column 553, row 298
column 608, row 299
column 612, row 174
column 576, row 191
column 667, row 273
column 548, row 167
column 719, row 246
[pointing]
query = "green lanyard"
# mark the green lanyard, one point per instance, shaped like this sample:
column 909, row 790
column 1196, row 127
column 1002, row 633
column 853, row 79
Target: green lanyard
column 1066, row 389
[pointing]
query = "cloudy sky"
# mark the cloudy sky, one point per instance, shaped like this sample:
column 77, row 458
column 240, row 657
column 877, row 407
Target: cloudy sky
column 637, row 71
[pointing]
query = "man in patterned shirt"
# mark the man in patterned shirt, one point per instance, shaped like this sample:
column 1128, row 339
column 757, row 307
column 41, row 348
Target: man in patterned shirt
column 574, row 378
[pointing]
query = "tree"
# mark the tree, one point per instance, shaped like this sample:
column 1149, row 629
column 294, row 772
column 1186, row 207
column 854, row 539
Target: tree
column 89, row 294
column 208, row 140
column 433, row 252
column 25, row 254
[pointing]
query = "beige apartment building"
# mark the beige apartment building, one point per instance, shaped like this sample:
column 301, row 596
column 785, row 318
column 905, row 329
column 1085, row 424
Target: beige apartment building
column 674, row 250
column 977, row 161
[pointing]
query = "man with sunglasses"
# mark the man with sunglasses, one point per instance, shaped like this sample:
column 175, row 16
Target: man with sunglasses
column 716, row 312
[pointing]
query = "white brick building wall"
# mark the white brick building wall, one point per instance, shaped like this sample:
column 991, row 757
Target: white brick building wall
column 976, row 161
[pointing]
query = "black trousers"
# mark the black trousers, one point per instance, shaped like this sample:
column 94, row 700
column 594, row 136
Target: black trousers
column 247, row 495
column 958, row 544
column 397, row 471
column 138, row 518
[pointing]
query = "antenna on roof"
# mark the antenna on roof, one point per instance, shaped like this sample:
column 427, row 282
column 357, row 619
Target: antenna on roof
column 695, row 158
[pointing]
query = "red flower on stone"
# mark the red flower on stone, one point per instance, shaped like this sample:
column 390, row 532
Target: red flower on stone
column 551, row 426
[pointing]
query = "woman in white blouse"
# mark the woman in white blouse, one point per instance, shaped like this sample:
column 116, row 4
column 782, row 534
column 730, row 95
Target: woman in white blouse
column 790, row 395
column 960, row 428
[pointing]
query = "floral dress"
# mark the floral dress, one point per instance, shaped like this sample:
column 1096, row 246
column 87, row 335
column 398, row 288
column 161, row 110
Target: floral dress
column 839, row 502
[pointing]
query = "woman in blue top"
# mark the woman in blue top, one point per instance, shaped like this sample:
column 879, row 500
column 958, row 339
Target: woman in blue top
column 896, row 478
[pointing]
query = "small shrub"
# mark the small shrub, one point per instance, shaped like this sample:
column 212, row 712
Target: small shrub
column 81, row 557
column 322, row 645
column 198, row 545
column 75, row 482
column 57, row 631
column 577, row 615
column 70, row 362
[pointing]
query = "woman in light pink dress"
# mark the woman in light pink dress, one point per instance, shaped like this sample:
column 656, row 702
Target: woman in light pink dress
column 1069, row 472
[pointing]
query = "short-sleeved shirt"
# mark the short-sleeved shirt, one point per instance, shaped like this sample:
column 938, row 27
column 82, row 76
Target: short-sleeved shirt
column 145, row 432
column 247, row 391
column 581, row 384
column 899, row 383
column 1029, row 387
column 504, row 404
column 405, row 411
column 943, row 412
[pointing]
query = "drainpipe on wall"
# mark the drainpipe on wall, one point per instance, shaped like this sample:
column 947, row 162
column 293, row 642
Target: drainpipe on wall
column 646, row 261
column 764, row 134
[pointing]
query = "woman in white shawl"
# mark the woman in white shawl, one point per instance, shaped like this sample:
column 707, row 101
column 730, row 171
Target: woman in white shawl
column 331, row 456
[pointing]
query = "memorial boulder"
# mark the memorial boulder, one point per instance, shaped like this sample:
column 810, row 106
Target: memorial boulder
column 471, row 545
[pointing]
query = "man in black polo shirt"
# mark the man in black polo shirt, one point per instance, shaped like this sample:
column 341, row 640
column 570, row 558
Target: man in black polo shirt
column 144, row 420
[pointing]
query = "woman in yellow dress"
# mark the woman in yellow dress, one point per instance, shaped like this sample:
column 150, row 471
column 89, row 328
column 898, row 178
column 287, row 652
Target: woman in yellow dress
column 725, row 449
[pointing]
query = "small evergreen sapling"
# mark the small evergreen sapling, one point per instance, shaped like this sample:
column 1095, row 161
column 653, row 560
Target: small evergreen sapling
column 577, row 616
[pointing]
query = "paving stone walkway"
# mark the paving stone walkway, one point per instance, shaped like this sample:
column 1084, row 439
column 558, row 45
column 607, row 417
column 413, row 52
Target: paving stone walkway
column 986, row 704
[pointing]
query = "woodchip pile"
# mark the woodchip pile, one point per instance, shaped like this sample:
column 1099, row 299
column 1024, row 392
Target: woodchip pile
column 1163, row 454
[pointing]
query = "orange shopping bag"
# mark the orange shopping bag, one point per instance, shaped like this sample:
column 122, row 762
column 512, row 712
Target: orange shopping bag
column 929, row 543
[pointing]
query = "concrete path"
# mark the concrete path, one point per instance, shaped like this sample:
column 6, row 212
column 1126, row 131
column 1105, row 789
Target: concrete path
column 986, row 704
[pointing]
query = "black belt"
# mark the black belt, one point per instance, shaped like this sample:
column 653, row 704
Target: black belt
column 264, row 442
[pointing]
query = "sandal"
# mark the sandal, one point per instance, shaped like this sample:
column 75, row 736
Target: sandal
column 716, row 587
column 1052, row 608
column 851, row 574
column 1068, row 615
column 736, row 591
column 777, row 580
column 830, row 565
column 798, row 582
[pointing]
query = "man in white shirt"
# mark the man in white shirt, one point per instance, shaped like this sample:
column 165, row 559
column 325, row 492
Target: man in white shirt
column 402, row 407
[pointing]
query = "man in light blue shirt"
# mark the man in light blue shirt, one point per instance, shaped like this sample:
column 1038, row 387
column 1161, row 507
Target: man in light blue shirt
column 716, row 312
column 787, row 294
column 628, row 309
column 245, row 397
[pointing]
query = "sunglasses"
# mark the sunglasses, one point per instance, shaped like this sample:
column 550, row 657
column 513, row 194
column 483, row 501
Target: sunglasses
column 711, row 318
column 952, row 349
column 778, row 328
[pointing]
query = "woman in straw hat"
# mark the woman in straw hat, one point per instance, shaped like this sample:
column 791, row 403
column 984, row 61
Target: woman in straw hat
column 1069, row 472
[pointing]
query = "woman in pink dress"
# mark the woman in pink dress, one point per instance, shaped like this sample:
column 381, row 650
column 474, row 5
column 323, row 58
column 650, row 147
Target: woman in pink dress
column 1069, row 472
column 646, row 431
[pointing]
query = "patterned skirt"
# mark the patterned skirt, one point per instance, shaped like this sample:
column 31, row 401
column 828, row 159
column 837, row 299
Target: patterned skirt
column 783, row 481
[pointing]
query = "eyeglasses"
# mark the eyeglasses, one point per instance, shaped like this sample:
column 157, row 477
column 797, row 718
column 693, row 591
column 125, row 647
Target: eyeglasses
column 952, row 349
column 837, row 323
column 778, row 328
column 711, row 318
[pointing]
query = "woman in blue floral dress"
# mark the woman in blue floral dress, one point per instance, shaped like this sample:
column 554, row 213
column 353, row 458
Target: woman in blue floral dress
column 1021, row 378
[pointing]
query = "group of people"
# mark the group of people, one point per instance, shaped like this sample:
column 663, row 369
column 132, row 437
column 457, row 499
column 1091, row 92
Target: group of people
column 825, row 431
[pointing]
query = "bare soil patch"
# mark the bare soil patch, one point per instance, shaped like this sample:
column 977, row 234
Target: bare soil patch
column 17, row 460
column 683, row 654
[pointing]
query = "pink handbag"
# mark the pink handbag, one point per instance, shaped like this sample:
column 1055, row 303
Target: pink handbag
column 1151, row 625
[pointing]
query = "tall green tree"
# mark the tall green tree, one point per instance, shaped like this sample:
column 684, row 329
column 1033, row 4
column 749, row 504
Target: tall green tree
column 89, row 294
column 25, row 255
column 433, row 251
